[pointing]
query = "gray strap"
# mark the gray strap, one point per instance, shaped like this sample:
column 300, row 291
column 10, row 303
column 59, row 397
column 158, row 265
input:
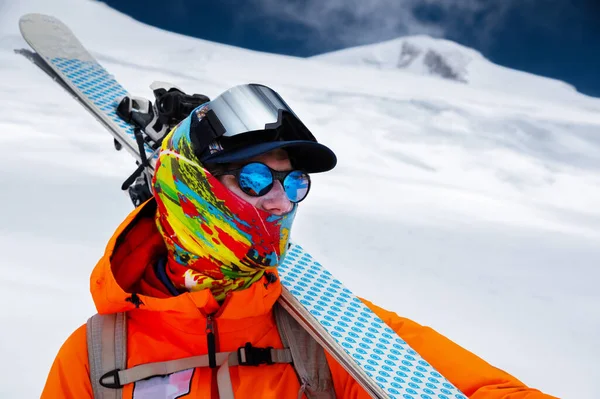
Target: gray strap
column 107, row 350
column 308, row 356
column 148, row 370
column 224, row 378
column 277, row 356
column 224, row 360
column 94, row 344
column 281, row 356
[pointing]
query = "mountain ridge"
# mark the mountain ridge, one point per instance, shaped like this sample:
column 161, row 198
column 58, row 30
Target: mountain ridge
column 428, row 56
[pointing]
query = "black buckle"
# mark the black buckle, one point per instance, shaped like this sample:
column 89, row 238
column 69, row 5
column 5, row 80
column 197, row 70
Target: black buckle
column 115, row 376
column 206, row 130
column 248, row 355
column 173, row 106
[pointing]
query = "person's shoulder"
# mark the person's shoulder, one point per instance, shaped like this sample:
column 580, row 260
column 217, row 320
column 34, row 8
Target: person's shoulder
column 74, row 349
column 77, row 339
column 69, row 374
column 392, row 319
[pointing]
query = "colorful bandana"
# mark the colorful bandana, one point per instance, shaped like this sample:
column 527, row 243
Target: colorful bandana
column 215, row 239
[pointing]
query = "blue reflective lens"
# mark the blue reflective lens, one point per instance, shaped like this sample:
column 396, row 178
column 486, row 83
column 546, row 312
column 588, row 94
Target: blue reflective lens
column 296, row 185
column 255, row 179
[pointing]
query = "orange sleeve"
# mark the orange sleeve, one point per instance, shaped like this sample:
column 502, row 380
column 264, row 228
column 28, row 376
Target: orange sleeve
column 69, row 376
column 472, row 375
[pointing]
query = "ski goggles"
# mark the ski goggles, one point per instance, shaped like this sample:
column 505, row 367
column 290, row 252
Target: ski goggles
column 245, row 109
column 257, row 179
column 249, row 120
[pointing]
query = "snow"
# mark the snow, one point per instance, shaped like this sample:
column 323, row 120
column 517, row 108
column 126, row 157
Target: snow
column 469, row 206
column 425, row 55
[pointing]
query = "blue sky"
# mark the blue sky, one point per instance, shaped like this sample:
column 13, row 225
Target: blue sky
column 556, row 38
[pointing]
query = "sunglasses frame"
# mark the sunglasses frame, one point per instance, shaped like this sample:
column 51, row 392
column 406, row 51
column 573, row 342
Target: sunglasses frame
column 275, row 175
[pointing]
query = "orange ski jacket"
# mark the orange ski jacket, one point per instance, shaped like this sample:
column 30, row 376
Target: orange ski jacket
column 167, row 328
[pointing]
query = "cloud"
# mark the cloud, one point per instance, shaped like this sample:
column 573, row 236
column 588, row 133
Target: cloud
column 343, row 23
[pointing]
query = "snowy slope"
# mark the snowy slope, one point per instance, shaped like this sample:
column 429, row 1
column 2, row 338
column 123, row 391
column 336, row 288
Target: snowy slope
column 468, row 207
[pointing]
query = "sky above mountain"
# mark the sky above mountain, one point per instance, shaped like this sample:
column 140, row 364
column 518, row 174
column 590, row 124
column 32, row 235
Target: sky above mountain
column 558, row 39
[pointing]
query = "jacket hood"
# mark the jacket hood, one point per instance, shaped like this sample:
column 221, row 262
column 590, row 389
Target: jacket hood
column 136, row 245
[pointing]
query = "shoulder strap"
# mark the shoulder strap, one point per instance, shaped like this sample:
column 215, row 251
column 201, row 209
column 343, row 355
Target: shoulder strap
column 107, row 350
column 308, row 357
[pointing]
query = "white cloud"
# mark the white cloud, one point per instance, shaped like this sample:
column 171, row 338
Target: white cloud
column 351, row 22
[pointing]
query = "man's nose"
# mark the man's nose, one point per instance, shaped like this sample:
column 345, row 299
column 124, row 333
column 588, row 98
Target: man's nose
column 276, row 201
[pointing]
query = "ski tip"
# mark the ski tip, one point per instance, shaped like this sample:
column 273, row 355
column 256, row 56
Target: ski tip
column 37, row 20
column 30, row 19
column 51, row 38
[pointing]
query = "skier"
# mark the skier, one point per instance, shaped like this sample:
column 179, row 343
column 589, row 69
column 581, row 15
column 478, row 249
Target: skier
column 194, row 269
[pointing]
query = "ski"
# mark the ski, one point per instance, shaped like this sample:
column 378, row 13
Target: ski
column 38, row 61
column 60, row 55
column 372, row 353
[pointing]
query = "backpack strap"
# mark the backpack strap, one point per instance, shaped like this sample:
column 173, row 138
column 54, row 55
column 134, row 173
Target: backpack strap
column 309, row 358
column 107, row 350
column 120, row 378
column 106, row 338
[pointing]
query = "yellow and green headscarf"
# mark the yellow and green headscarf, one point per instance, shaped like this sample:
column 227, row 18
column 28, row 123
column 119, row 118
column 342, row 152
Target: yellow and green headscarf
column 215, row 239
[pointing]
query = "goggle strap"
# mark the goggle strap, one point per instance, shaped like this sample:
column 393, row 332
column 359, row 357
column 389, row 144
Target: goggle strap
column 205, row 131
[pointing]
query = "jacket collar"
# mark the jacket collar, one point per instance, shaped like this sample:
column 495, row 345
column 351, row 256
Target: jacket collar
column 114, row 282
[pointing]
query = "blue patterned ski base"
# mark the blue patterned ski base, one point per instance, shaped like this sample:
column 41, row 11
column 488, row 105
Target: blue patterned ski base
column 376, row 348
column 97, row 86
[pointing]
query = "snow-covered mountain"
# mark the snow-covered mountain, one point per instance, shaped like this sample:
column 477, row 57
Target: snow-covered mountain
column 469, row 207
column 420, row 54
column 428, row 56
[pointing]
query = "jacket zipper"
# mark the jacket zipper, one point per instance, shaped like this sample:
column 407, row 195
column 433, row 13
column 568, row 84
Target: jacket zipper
column 211, row 342
column 211, row 338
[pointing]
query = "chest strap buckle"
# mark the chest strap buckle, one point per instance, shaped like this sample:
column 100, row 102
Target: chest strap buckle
column 249, row 355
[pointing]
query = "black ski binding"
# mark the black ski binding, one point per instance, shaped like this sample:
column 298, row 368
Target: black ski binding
column 151, row 124
column 139, row 190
